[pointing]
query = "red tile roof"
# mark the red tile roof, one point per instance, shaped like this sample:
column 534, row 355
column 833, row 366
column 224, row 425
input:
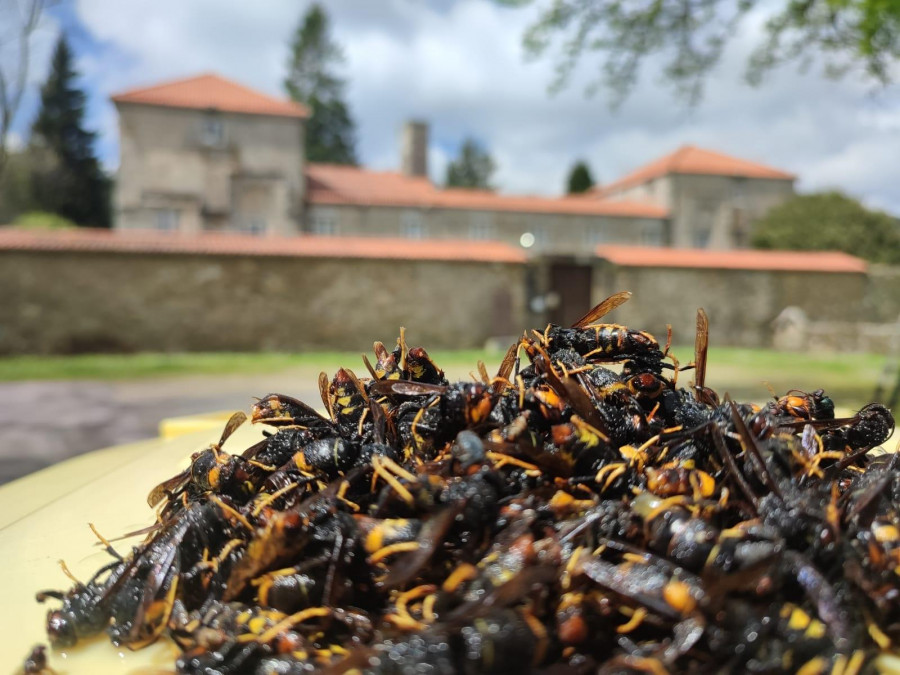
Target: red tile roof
column 300, row 246
column 212, row 92
column 793, row 261
column 689, row 159
column 336, row 184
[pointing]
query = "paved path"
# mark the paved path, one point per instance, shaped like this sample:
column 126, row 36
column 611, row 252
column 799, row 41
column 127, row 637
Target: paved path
column 44, row 422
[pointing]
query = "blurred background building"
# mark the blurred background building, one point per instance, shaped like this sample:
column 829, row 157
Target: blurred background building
column 208, row 154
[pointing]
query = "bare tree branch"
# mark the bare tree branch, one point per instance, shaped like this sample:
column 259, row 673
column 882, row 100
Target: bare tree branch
column 12, row 85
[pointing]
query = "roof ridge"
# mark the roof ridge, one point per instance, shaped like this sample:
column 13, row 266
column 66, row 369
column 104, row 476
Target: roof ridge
column 211, row 90
column 167, row 83
column 240, row 244
column 692, row 159
column 675, row 158
column 750, row 259
column 362, row 186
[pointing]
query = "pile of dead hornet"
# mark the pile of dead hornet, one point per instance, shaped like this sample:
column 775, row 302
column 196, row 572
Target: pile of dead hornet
column 561, row 516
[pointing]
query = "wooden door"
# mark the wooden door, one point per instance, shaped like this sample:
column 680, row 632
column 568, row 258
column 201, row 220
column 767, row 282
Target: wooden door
column 572, row 285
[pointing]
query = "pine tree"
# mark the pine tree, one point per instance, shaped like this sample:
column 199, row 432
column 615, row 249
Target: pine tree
column 472, row 169
column 68, row 179
column 580, row 179
column 311, row 80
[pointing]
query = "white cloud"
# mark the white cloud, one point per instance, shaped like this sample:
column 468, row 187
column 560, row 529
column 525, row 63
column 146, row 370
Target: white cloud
column 438, row 160
column 460, row 65
column 164, row 39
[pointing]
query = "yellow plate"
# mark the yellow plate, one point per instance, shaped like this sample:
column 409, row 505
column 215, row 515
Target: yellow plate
column 173, row 427
column 44, row 518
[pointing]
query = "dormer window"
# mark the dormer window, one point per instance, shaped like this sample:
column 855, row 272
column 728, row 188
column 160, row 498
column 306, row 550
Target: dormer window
column 212, row 134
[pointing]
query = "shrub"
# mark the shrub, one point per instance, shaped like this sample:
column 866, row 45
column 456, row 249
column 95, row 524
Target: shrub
column 830, row 221
column 42, row 220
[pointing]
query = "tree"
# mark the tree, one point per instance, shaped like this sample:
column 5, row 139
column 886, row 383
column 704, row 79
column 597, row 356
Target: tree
column 830, row 221
column 16, row 195
column 67, row 178
column 21, row 19
column 472, row 169
column 580, row 179
column 311, row 80
column 690, row 35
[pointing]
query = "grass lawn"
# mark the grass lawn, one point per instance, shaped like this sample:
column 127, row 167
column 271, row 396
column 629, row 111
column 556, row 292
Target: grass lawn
column 150, row 364
column 849, row 378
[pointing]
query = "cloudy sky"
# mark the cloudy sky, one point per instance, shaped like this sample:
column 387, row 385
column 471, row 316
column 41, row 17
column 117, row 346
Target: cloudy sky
column 460, row 65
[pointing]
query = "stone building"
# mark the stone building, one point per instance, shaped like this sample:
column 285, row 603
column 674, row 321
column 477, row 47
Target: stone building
column 207, row 154
column 349, row 201
column 712, row 199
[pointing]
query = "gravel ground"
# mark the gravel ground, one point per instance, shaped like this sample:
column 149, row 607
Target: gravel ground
column 45, row 422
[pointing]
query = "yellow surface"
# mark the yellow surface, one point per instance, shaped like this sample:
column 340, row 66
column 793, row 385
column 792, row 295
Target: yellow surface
column 44, row 518
column 173, row 427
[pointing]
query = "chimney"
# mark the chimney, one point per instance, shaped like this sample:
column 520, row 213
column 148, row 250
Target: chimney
column 414, row 149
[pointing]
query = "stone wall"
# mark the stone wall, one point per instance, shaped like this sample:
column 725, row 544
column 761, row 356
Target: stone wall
column 741, row 304
column 71, row 301
column 78, row 301
column 883, row 293
column 794, row 331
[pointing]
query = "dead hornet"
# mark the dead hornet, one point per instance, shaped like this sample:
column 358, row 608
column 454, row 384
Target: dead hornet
column 346, row 401
column 404, row 363
column 816, row 405
column 746, row 552
column 603, row 342
column 211, row 470
column 867, row 429
column 586, row 514
column 85, row 611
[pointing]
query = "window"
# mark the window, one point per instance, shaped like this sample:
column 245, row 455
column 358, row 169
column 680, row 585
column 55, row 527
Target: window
column 252, row 225
column 541, row 238
column 481, row 227
column 651, row 234
column 411, row 225
column 324, row 223
column 166, row 220
column 594, row 236
column 212, row 134
column 701, row 238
